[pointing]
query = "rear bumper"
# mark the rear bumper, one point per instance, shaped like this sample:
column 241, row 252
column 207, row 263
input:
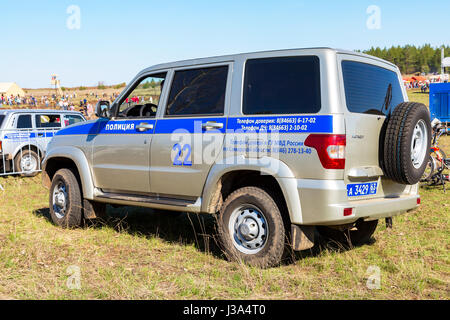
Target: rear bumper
column 323, row 203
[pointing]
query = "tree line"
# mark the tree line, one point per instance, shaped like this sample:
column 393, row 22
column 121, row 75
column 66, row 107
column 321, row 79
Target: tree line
column 411, row 59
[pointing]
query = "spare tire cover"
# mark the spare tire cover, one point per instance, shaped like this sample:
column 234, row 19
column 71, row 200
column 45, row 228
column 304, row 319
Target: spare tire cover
column 407, row 142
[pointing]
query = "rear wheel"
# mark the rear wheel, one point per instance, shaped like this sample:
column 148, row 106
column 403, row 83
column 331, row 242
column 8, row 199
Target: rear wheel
column 251, row 228
column 358, row 234
column 27, row 163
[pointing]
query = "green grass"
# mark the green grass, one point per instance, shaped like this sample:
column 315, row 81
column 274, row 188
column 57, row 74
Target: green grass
column 141, row 254
column 416, row 96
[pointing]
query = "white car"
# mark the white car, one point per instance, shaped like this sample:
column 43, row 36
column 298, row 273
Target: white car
column 24, row 135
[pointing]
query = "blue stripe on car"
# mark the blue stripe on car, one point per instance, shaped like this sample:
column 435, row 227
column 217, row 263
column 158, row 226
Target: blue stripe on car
column 283, row 124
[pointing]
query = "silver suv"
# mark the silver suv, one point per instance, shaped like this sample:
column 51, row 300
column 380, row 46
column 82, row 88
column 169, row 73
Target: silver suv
column 279, row 145
column 24, row 135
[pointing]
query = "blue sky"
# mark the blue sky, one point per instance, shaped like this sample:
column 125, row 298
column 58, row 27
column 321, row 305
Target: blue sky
column 117, row 39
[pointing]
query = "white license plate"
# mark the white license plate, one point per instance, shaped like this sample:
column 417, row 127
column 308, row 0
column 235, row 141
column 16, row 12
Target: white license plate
column 361, row 189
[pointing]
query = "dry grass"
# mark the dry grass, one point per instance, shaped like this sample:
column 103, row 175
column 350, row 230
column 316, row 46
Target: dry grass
column 141, row 254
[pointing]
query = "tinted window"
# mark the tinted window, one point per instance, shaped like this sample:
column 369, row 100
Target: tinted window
column 24, row 122
column 48, row 121
column 282, row 85
column 370, row 89
column 71, row 119
column 198, row 91
column 1, row 119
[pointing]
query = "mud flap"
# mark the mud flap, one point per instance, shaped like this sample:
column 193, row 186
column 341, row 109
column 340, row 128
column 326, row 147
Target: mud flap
column 302, row 237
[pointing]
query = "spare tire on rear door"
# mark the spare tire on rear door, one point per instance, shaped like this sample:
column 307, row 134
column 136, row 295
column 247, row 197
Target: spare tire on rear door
column 407, row 143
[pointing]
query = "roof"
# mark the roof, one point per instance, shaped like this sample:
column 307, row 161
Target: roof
column 7, row 111
column 269, row 52
column 5, row 86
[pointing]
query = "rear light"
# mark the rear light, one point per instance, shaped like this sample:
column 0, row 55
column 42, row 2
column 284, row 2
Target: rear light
column 330, row 148
column 348, row 212
column 418, row 201
column 1, row 147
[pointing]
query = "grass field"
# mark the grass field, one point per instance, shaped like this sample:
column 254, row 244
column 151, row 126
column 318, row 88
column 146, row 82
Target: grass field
column 140, row 254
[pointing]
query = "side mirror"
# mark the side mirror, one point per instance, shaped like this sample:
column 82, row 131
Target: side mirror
column 102, row 109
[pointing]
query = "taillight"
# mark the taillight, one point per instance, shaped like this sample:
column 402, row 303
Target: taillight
column 348, row 212
column 1, row 147
column 330, row 148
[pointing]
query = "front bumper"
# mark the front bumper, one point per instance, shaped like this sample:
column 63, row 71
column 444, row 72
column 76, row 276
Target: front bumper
column 323, row 203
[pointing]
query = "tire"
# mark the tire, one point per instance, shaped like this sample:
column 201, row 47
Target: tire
column 428, row 173
column 407, row 143
column 358, row 235
column 27, row 163
column 251, row 228
column 65, row 200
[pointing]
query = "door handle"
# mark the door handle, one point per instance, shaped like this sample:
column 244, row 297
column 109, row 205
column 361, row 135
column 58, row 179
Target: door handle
column 209, row 125
column 144, row 127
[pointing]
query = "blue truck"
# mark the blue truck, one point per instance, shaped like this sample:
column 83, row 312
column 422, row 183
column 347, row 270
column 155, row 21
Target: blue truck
column 440, row 101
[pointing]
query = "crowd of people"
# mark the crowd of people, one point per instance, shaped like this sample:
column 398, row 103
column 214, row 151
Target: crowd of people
column 68, row 101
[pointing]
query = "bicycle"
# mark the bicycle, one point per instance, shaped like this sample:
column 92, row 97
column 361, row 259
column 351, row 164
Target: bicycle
column 438, row 161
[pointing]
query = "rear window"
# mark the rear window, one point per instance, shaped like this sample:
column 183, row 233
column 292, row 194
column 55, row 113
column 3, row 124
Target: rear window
column 1, row 119
column 370, row 89
column 282, row 85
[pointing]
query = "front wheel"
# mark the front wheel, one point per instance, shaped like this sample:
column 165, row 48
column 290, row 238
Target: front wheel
column 251, row 228
column 65, row 199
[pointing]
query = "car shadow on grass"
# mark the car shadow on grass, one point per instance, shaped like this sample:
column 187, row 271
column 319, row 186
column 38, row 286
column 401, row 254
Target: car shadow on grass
column 172, row 227
column 183, row 228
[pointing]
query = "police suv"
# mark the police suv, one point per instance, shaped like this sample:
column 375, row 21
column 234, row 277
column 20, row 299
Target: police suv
column 24, row 135
column 281, row 146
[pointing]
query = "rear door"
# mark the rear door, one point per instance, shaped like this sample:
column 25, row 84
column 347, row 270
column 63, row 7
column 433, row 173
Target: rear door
column 189, row 136
column 371, row 90
column 47, row 124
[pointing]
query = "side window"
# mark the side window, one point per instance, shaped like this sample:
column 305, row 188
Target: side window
column 285, row 85
column 71, row 119
column 143, row 100
column 24, row 122
column 370, row 89
column 48, row 121
column 198, row 92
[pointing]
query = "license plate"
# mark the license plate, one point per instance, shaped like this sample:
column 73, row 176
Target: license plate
column 361, row 189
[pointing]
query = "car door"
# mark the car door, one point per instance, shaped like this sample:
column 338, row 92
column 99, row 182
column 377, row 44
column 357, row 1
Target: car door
column 121, row 145
column 189, row 135
column 47, row 124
